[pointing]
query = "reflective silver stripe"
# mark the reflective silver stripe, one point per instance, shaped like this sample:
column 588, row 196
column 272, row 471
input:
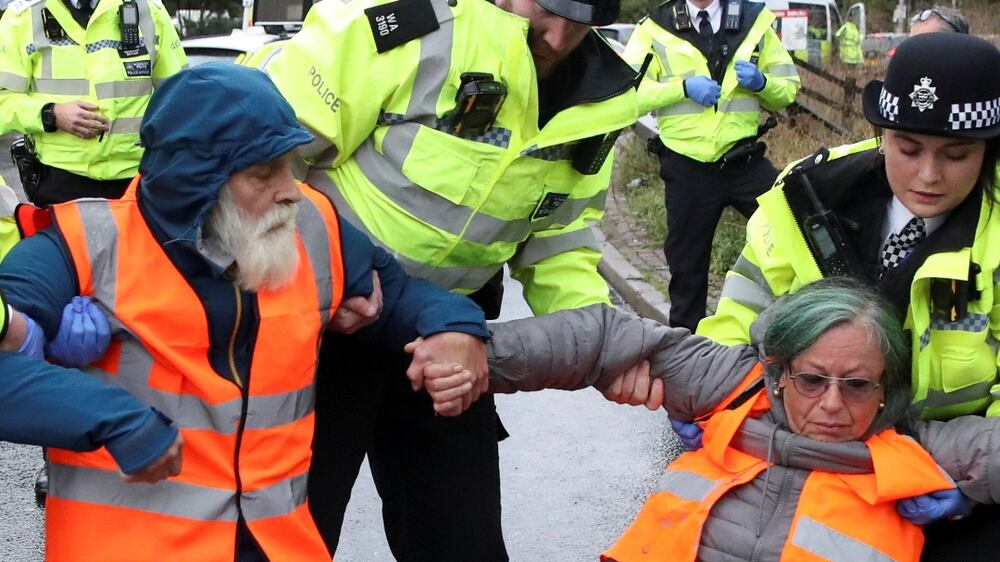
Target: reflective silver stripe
column 667, row 78
column 830, row 544
column 125, row 125
column 745, row 292
column 148, row 26
column 316, row 240
column 661, row 53
column 451, row 278
column 538, row 249
column 101, row 233
column 685, row 485
column 63, row 86
column 169, row 497
column 782, row 70
column 11, row 81
column 748, row 269
column 124, row 89
column 280, row 498
column 939, row 398
column 686, row 107
column 431, row 208
column 740, row 104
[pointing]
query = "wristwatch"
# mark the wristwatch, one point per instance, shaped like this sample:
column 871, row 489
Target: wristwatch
column 49, row 118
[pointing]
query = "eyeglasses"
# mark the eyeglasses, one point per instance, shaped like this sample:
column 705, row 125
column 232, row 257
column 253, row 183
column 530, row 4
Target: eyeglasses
column 853, row 389
column 957, row 23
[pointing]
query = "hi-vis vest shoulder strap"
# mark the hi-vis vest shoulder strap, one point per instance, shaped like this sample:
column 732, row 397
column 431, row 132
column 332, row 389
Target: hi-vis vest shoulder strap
column 837, row 517
column 247, row 447
column 31, row 219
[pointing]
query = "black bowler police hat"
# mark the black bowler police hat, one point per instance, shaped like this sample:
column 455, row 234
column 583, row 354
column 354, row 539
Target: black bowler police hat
column 943, row 84
column 590, row 12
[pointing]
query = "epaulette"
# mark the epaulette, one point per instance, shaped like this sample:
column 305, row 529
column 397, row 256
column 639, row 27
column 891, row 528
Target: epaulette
column 18, row 6
column 811, row 161
column 399, row 22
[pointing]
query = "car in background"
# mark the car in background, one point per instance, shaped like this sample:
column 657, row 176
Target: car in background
column 234, row 47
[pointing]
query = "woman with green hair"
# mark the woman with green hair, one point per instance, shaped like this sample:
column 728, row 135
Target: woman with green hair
column 800, row 457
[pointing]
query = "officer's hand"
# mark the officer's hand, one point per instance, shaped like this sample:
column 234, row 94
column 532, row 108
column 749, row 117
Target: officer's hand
column 169, row 464
column 80, row 118
column 749, row 76
column 84, row 334
column 449, row 348
column 689, row 432
column 702, row 90
column 928, row 508
column 357, row 312
column 636, row 387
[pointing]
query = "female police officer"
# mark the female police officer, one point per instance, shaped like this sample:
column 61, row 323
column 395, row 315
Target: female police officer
column 913, row 213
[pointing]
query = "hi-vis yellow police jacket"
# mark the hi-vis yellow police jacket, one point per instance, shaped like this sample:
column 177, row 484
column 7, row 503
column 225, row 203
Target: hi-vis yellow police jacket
column 454, row 209
column 955, row 362
column 83, row 64
column 706, row 133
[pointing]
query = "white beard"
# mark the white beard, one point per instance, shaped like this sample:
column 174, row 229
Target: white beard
column 265, row 249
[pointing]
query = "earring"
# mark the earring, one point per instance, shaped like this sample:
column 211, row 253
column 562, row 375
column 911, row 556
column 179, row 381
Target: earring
column 881, row 405
column 777, row 391
column 881, row 149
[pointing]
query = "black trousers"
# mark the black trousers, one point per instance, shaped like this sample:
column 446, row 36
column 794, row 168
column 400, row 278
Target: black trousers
column 59, row 186
column 695, row 195
column 438, row 477
column 973, row 539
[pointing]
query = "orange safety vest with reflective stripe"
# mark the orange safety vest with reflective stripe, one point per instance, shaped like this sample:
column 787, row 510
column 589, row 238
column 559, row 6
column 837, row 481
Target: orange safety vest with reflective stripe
column 838, row 516
column 31, row 219
column 246, row 445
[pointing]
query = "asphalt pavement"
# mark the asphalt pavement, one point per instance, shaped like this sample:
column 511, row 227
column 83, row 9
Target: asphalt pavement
column 575, row 470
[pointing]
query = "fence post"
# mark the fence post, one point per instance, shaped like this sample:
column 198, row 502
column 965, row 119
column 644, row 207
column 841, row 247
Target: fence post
column 850, row 98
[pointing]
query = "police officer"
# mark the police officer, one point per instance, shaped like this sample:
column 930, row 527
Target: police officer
column 717, row 63
column 849, row 44
column 916, row 217
column 463, row 136
column 75, row 77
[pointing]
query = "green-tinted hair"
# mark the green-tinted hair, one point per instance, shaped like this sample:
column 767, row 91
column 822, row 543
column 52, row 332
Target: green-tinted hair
column 802, row 317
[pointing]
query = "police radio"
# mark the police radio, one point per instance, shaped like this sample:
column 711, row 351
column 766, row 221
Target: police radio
column 128, row 16
column 477, row 104
column 51, row 26
column 682, row 19
column 825, row 236
column 732, row 22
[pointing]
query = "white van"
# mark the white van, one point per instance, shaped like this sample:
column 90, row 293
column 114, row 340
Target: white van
column 823, row 21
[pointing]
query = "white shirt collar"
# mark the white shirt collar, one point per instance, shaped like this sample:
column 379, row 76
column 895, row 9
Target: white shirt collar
column 897, row 215
column 714, row 14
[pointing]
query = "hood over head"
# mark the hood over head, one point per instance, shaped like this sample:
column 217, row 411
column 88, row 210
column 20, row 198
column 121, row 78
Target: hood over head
column 203, row 125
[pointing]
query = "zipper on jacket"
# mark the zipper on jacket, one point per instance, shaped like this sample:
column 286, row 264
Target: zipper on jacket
column 782, row 501
column 245, row 402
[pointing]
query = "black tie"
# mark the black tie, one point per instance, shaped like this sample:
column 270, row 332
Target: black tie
column 704, row 24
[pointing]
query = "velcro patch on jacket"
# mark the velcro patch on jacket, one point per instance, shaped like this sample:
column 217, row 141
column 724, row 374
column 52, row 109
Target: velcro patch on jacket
column 549, row 204
column 133, row 52
column 138, row 68
column 399, row 22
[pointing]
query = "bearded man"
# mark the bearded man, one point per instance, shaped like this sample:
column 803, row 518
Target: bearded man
column 219, row 275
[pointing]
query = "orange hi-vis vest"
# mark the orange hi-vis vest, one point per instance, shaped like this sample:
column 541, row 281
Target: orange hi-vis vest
column 838, row 516
column 31, row 219
column 247, row 446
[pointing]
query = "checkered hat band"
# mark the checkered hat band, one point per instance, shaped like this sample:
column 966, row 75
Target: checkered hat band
column 978, row 115
column 888, row 105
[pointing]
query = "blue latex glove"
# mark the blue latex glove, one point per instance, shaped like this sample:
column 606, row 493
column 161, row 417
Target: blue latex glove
column 749, row 77
column 702, row 90
column 928, row 508
column 34, row 339
column 689, row 432
column 84, row 334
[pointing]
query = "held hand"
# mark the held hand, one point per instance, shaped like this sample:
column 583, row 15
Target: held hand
column 702, row 90
column 749, row 76
column 636, row 387
column 169, row 464
column 449, row 348
column 357, row 312
column 928, row 508
column 84, row 334
column 689, row 432
column 80, row 118
column 450, row 386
